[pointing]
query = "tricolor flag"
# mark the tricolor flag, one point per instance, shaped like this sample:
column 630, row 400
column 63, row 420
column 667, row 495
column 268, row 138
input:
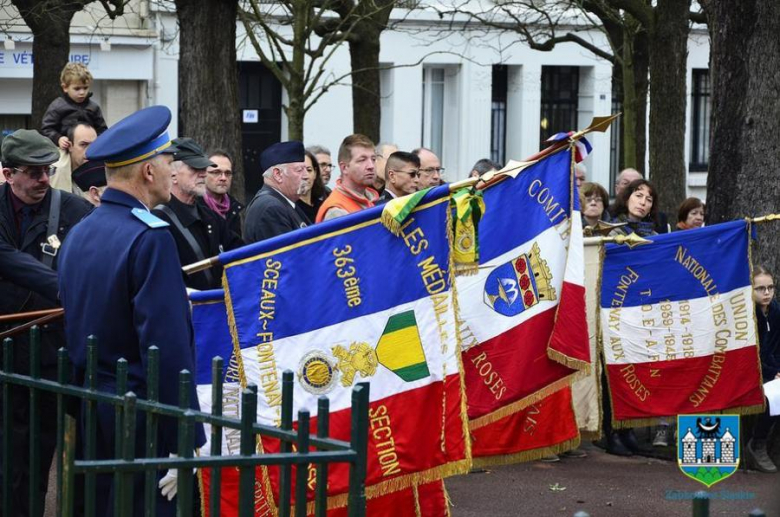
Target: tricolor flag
column 523, row 313
column 677, row 325
column 347, row 301
column 582, row 147
column 212, row 339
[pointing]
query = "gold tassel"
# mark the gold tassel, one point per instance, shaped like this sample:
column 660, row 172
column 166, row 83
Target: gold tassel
column 521, row 404
column 526, row 456
column 417, row 509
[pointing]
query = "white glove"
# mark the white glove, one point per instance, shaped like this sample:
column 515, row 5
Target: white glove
column 169, row 482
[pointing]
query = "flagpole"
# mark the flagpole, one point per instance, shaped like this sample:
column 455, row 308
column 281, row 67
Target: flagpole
column 600, row 124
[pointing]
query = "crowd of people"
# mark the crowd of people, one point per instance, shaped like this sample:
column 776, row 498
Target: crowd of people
column 117, row 211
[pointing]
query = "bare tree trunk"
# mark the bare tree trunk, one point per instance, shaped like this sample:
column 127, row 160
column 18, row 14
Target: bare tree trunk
column 208, row 79
column 366, row 95
column 641, row 58
column 745, row 153
column 668, row 71
column 50, row 25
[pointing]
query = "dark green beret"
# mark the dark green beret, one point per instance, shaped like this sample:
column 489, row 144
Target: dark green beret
column 29, row 147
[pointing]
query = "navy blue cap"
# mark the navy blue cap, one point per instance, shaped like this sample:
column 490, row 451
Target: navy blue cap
column 90, row 174
column 281, row 152
column 137, row 137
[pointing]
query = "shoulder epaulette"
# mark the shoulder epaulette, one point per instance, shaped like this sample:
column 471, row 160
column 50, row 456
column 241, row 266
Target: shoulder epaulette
column 149, row 219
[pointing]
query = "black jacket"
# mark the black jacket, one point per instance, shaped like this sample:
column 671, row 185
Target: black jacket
column 63, row 113
column 18, row 297
column 270, row 214
column 210, row 232
column 233, row 215
column 23, row 270
column 769, row 340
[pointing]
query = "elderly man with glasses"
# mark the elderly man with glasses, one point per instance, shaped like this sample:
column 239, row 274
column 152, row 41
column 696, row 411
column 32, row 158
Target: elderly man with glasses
column 402, row 175
column 34, row 219
column 431, row 171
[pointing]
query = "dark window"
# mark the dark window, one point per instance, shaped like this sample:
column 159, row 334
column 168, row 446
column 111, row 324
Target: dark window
column 10, row 123
column 700, row 123
column 498, row 114
column 560, row 94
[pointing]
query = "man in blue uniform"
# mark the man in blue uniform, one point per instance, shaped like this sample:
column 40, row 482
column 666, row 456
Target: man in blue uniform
column 120, row 280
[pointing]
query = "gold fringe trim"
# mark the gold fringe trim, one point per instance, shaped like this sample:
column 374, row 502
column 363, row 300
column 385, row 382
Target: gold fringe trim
column 591, row 436
column 523, row 403
column 389, row 222
column 464, row 415
column 265, row 482
column 647, row 422
column 202, row 494
column 447, row 500
column 529, row 455
column 466, row 269
column 569, row 362
column 417, row 509
column 402, row 482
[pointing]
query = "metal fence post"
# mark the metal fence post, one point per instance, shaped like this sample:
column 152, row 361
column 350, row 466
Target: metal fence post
column 62, row 379
column 285, row 470
column 119, row 435
column 215, row 492
column 359, row 443
column 125, row 481
column 321, row 490
column 186, row 446
column 8, row 367
column 35, row 422
column 152, row 391
column 90, row 421
column 246, row 474
column 302, row 470
column 701, row 504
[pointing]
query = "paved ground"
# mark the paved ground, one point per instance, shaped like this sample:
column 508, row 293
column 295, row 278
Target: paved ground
column 604, row 486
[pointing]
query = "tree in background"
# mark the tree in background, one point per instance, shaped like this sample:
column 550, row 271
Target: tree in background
column 49, row 22
column 208, row 79
column 744, row 163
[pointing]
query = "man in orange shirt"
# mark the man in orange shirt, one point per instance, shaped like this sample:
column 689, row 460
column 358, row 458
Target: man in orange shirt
column 353, row 192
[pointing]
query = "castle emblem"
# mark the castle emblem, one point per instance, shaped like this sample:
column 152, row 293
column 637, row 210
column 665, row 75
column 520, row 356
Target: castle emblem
column 708, row 446
column 519, row 284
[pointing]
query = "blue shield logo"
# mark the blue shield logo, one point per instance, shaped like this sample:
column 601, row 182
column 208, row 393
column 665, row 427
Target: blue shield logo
column 708, row 446
column 519, row 284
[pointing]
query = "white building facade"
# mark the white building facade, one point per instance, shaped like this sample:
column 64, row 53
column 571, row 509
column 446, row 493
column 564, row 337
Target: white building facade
column 464, row 92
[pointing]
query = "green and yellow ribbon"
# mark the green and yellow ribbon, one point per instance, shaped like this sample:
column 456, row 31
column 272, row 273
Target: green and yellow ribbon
column 396, row 211
column 469, row 207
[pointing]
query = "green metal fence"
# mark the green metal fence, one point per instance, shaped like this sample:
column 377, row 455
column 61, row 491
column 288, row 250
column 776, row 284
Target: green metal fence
column 125, row 464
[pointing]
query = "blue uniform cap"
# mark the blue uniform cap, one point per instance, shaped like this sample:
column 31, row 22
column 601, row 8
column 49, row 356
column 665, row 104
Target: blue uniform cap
column 281, row 152
column 137, row 137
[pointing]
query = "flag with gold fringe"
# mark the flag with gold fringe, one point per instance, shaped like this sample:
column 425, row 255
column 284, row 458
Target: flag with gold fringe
column 677, row 325
column 347, row 301
column 523, row 314
column 468, row 206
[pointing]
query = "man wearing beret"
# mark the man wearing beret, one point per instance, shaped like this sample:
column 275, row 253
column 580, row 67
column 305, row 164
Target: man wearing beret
column 139, row 299
column 273, row 210
column 34, row 219
column 199, row 232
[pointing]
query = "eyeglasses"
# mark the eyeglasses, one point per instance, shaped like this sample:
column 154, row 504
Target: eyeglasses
column 36, row 172
column 412, row 174
column 432, row 170
column 765, row 288
column 217, row 173
column 326, row 166
column 594, row 198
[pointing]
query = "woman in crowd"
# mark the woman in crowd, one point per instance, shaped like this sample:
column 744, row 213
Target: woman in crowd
column 637, row 206
column 768, row 321
column 315, row 193
column 594, row 201
column 691, row 214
